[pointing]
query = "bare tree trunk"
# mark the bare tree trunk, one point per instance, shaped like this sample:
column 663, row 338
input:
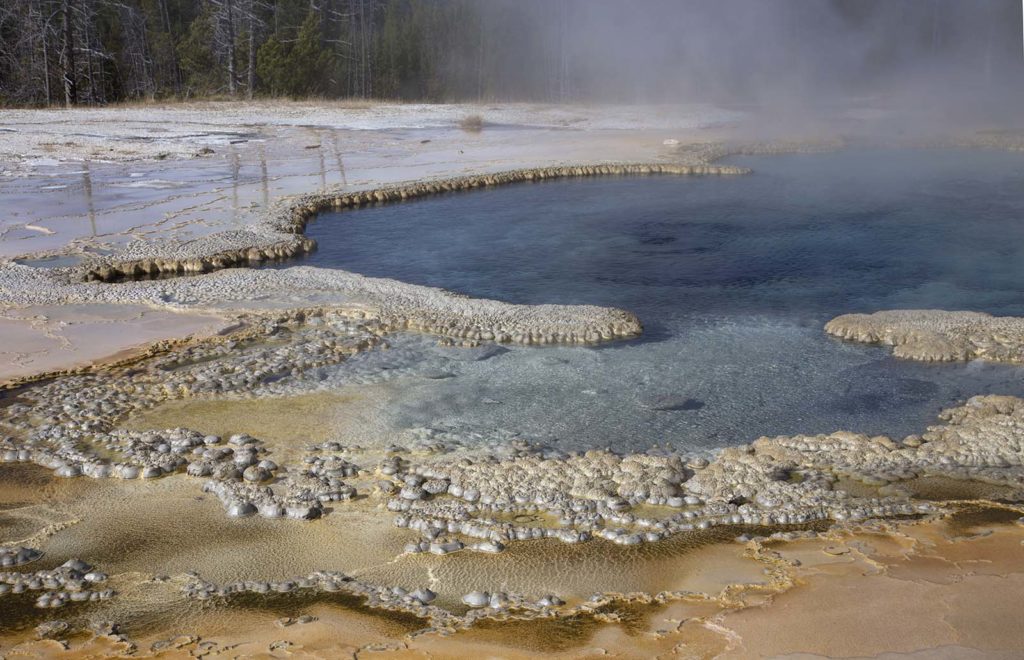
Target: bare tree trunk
column 44, row 33
column 90, row 61
column 138, row 78
column 251, row 78
column 150, row 65
column 46, row 72
column 232, row 79
column 364, row 61
column 370, row 58
column 166, row 16
column 350, row 70
column 68, row 56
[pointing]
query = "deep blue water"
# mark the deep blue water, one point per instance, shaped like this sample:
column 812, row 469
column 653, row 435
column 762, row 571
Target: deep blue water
column 733, row 279
column 807, row 235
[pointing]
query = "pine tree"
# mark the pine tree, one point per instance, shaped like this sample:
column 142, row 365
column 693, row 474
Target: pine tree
column 198, row 62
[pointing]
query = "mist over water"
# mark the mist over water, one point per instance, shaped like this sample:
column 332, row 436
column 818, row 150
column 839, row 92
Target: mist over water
column 733, row 279
column 951, row 58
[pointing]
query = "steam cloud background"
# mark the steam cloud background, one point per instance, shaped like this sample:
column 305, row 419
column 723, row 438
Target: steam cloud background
column 965, row 53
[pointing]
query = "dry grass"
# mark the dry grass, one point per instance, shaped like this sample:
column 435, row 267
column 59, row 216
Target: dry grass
column 472, row 123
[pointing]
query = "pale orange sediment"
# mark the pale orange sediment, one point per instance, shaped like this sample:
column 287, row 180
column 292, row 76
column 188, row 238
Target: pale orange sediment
column 50, row 339
column 916, row 588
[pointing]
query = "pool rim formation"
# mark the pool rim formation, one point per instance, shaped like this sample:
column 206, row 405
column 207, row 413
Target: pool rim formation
column 738, row 458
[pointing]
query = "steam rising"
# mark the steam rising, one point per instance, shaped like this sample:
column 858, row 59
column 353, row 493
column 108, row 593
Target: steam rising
column 959, row 54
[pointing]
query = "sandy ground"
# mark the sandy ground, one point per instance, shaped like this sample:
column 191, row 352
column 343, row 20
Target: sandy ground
column 51, row 338
column 930, row 590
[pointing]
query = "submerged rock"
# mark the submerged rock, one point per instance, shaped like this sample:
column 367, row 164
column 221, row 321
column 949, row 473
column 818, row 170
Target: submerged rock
column 670, row 402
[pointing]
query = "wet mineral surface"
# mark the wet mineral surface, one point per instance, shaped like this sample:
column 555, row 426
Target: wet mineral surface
column 253, row 493
column 147, row 493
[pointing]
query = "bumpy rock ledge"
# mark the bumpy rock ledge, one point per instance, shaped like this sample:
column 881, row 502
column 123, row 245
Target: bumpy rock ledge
column 936, row 335
column 280, row 233
column 455, row 495
column 454, row 499
column 398, row 306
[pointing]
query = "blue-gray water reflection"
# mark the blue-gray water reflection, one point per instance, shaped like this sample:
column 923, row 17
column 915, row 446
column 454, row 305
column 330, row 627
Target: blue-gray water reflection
column 733, row 279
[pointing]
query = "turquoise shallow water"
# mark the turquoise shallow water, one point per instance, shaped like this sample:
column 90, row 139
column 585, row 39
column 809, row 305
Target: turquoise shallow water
column 733, row 279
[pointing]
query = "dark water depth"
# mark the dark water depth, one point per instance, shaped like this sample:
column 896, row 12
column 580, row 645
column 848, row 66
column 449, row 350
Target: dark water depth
column 733, row 279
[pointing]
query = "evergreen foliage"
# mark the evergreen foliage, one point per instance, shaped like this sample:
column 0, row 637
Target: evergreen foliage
column 103, row 51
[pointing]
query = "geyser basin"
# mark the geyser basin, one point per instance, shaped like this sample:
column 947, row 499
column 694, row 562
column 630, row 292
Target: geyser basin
column 733, row 279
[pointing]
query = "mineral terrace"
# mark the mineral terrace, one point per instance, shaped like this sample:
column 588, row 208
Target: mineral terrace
column 458, row 499
column 435, row 494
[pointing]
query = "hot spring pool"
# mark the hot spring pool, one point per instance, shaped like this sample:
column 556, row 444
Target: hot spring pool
column 733, row 279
